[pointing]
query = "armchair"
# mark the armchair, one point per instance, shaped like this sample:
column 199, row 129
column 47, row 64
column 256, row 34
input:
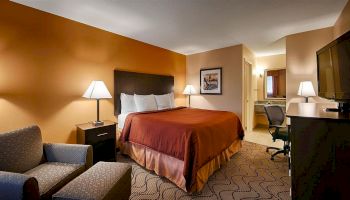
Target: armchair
column 18, row 186
column 30, row 169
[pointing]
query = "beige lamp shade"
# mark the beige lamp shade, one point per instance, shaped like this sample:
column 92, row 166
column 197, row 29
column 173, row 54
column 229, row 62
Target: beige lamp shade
column 97, row 90
column 189, row 90
column 306, row 89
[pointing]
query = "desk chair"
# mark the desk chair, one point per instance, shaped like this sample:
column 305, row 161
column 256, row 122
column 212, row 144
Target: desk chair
column 276, row 116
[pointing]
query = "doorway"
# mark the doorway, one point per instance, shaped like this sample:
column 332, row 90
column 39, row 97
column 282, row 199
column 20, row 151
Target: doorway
column 248, row 104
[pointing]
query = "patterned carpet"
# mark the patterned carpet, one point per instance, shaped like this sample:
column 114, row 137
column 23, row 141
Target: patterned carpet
column 249, row 175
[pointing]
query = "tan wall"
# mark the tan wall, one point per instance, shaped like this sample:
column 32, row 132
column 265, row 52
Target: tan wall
column 47, row 62
column 268, row 62
column 301, row 59
column 230, row 59
column 342, row 24
column 301, row 54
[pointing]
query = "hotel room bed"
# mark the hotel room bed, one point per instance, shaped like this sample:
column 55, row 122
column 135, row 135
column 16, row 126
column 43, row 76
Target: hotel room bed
column 182, row 144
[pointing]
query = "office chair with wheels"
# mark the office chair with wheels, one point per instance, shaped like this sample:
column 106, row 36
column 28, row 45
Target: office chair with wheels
column 276, row 116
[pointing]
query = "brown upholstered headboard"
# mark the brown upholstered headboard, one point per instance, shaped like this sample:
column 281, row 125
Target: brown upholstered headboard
column 139, row 83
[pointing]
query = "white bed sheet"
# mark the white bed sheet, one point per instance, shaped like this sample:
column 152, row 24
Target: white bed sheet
column 121, row 119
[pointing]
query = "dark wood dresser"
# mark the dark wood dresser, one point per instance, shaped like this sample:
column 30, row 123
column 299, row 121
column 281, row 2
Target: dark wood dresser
column 102, row 138
column 320, row 152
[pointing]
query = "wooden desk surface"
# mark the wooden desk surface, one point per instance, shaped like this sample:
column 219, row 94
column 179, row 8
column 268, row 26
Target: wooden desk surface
column 315, row 110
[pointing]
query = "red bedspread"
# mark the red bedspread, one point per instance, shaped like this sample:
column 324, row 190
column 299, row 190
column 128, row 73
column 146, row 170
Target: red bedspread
column 195, row 136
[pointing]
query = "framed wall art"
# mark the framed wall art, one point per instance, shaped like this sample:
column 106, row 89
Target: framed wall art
column 211, row 81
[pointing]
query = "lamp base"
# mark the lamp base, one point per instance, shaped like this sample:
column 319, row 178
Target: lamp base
column 97, row 123
column 306, row 99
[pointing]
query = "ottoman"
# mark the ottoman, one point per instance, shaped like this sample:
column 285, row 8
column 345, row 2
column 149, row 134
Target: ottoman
column 104, row 180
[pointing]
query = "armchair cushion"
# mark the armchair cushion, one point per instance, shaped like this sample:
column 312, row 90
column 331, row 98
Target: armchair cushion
column 69, row 153
column 18, row 186
column 51, row 176
column 21, row 149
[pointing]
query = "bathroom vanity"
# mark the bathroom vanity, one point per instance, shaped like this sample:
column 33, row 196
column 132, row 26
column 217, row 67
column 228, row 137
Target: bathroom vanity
column 274, row 93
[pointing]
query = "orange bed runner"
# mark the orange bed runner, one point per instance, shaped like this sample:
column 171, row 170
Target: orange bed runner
column 195, row 136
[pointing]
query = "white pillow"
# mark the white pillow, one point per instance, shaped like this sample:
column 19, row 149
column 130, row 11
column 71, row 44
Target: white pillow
column 172, row 100
column 127, row 103
column 163, row 101
column 145, row 102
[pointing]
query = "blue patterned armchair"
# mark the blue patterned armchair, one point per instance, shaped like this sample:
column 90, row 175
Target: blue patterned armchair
column 30, row 169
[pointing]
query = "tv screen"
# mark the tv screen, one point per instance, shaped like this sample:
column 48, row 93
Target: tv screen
column 333, row 69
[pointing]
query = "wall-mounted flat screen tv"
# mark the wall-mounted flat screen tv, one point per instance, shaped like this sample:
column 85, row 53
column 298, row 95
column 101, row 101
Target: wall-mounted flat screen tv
column 333, row 71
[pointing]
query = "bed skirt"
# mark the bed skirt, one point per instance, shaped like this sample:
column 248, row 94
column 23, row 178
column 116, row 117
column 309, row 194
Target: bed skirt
column 172, row 168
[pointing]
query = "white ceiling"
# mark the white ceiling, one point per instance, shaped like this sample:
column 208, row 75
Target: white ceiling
column 193, row 26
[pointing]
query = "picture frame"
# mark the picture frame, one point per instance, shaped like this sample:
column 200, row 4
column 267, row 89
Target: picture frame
column 211, row 81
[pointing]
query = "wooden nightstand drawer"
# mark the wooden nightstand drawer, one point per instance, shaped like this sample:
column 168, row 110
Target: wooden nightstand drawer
column 100, row 134
column 102, row 138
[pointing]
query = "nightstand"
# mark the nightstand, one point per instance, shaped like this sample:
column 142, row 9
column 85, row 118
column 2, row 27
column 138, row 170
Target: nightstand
column 102, row 138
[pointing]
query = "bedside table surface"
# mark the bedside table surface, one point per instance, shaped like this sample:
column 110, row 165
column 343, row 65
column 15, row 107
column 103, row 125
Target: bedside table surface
column 87, row 126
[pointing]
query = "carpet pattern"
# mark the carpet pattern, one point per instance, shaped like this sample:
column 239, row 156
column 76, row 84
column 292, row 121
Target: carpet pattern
column 250, row 174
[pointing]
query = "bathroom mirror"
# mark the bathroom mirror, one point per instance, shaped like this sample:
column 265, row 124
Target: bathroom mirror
column 275, row 83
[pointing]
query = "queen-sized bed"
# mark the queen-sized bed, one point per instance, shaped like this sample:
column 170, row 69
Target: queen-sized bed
column 182, row 144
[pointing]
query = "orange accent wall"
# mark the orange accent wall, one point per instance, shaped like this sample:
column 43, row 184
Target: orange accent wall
column 47, row 62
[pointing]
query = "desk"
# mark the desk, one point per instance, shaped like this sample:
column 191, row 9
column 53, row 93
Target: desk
column 320, row 151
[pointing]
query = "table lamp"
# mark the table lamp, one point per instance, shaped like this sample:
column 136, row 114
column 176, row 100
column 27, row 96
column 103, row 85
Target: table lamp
column 189, row 90
column 97, row 90
column 306, row 90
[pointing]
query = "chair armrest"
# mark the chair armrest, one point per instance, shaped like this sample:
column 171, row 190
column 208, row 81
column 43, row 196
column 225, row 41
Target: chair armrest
column 277, row 126
column 69, row 153
column 18, row 186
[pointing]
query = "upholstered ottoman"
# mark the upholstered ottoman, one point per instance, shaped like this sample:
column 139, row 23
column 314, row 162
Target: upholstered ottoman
column 104, row 180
